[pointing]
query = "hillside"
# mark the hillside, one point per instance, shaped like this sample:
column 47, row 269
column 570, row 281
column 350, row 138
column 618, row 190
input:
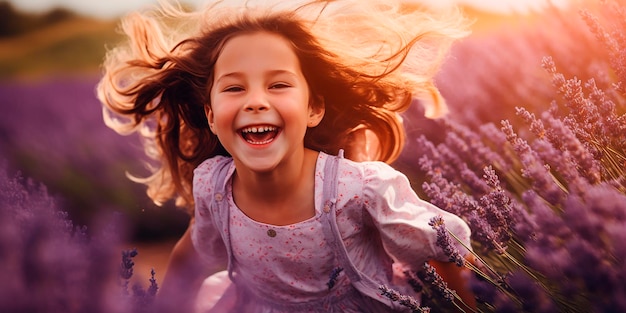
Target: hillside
column 52, row 43
column 61, row 42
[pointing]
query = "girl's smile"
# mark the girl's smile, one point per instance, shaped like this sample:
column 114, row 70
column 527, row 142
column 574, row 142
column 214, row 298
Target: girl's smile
column 259, row 135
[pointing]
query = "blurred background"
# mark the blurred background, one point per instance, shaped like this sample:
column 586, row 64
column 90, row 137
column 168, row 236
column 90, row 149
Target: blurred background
column 51, row 127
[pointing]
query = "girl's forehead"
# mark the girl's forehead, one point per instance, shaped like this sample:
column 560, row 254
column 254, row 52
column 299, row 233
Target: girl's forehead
column 256, row 39
column 249, row 51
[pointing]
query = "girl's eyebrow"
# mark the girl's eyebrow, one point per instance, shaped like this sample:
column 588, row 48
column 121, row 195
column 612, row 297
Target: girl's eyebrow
column 267, row 74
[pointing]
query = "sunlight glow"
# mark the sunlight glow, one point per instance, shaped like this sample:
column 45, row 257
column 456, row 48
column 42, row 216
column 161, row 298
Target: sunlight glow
column 501, row 6
column 115, row 8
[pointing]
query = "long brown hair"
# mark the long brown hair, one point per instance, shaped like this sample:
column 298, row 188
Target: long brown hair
column 160, row 87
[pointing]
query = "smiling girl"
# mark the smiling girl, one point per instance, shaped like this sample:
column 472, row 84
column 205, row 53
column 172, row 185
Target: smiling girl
column 248, row 111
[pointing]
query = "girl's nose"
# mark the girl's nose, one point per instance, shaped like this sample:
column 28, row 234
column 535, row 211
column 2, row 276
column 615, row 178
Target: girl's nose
column 257, row 101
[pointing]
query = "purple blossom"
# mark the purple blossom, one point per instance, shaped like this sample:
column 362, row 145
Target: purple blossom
column 474, row 150
column 51, row 265
column 614, row 41
column 404, row 300
column 429, row 275
column 441, row 191
column 334, row 274
column 126, row 268
column 499, row 156
column 414, row 281
column 547, row 216
column 484, row 234
column 497, row 206
column 577, row 244
column 533, row 167
column 445, row 242
column 48, row 264
column 610, row 121
column 53, row 131
column 535, row 298
column 536, row 125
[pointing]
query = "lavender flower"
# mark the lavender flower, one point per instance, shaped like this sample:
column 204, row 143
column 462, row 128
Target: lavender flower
column 48, row 264
column 52, row 265
column 154, row 287
column 547, row 213
column 614, row 41
column 334, row 274
column 414, row 281
column 430, row 275
column 536, row 125
column 445, row 242
column 126, row 268
column 478, row 153
column 535, row 298
column 53, row 132
column 497, row 207
column 533, row 167
column 404, row 300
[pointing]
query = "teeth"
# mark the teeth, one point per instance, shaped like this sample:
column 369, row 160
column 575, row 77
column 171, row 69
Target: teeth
column 258, row 129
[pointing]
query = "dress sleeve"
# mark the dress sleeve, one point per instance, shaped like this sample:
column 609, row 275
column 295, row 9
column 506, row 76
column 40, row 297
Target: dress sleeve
column 205, row 234
column 402, row 218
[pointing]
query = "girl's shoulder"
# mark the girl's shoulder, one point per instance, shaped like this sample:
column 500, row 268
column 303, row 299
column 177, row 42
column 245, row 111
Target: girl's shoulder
column 364, row 172
column 213, row 164
column 214, row 169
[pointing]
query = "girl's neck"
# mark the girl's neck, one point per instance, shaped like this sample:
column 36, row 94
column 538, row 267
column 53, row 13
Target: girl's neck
column 287, row 175
column 283, row 196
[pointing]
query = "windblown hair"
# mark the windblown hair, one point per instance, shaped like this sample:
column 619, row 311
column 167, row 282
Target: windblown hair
column 364, row 61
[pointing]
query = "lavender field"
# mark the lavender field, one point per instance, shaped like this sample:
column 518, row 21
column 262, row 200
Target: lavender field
column 532, row 156
column 55, row 134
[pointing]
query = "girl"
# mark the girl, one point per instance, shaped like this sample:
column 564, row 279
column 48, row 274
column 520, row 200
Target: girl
column 246, row 109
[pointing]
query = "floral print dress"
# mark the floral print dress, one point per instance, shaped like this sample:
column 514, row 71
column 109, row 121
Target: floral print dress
column 377, row 224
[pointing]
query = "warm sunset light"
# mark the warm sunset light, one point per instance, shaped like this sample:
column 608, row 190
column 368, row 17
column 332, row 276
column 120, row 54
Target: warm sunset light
column 113, row 8
column 501, row 6
column 144, row 152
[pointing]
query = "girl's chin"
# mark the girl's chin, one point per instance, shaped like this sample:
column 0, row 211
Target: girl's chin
column 260, row 163
column 261, row 168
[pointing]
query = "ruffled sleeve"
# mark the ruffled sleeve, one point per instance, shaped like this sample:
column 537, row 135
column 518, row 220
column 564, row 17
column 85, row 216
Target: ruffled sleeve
column 205, row 234
column 402, row 217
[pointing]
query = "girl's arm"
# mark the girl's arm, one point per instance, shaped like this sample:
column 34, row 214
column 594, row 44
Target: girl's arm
column 182, row 259
column 457, row 279
column 184, row 275
column 402, row 219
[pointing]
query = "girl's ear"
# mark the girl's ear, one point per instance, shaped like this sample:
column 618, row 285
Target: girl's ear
column 209, row 116
column 316, row 113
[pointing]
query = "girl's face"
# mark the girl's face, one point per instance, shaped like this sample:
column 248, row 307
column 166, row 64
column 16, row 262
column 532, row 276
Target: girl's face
column 260, row 101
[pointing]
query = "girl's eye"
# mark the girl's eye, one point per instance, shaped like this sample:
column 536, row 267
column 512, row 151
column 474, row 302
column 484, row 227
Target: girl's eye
column 233, row 89
column 279, row 86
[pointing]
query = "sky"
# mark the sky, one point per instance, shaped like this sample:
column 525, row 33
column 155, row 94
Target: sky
column 116, row 8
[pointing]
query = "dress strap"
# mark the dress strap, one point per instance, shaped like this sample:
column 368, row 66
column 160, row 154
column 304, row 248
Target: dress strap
column 223, row 214
column 329, row 216
column 360, row 281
